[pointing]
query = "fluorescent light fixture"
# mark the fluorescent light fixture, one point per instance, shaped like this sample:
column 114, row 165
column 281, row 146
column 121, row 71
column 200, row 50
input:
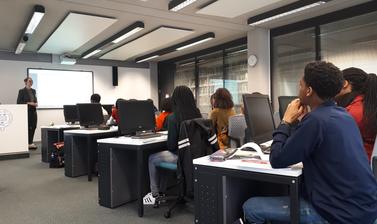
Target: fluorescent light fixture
column 285, row 11
column 66, row 60
column 92, row 53
column 35, row 19
column 116, row 38
column 124, row 36
column 38, row 14
column 176, row 5
column 147, row 59
column 20, row 47
column 186, row 44
column 195, row 43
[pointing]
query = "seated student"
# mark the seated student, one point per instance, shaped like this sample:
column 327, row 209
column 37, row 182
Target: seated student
column 114, row 118
column 184, row 108
column 223, row 109
column 339, row 186
column 96, row 98
column 161, row 121
column 359, row 97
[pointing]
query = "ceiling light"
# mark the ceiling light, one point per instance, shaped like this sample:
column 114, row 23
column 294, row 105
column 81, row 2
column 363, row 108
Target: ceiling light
column 35, row 19
column 195, row 43
column 147, row 59
column 92, row 53
column 20, row 47
column 285, row 11
column 176, row 5
column 180, row 46
column 118, row 37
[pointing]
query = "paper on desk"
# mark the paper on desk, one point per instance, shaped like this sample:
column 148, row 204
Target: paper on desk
column 251, row 154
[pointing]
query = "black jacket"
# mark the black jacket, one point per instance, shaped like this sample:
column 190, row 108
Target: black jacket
column 197, row 138
column 23, row 98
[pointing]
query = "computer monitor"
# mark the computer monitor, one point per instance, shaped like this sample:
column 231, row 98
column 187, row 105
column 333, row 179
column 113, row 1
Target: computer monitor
column 108, row 108
column 70, row 113
column 258, row 116
column 136, row 116
column 90, row 114
column 283, row 104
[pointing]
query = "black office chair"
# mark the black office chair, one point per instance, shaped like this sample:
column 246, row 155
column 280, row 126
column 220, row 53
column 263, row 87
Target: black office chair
column 197, row 138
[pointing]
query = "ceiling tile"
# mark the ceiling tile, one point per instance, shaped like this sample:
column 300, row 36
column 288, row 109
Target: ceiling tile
column 149, row 42
column 234, row 8
column 74, row 31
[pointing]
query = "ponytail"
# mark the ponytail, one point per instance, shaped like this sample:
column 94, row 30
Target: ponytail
column 370, row 103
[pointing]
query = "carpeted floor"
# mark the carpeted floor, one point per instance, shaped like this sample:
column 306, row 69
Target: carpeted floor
column 32, row 193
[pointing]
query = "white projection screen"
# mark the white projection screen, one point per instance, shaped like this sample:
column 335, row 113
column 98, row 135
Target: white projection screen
column 56, row 88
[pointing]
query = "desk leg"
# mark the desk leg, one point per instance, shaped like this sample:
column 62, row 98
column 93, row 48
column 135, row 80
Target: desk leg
column 89, row 168
column 140, row 182
column 295, row 201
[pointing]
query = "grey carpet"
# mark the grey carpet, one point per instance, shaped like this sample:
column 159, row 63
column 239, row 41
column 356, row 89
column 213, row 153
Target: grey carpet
column 30, row 192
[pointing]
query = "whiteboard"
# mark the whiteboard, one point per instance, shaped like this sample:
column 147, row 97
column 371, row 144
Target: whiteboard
column 56, row 88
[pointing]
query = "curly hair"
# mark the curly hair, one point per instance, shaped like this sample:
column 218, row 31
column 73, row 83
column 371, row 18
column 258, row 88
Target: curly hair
column 325, row 78
column 223, row 99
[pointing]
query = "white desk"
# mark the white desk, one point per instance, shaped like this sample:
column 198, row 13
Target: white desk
column 222, row 187
column 123, row 169
column 51, row 135
column 80, row 150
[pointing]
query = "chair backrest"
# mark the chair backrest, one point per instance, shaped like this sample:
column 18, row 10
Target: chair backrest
column 236, row 130
column 204, row 115
column 197, row 138
column 373, row 160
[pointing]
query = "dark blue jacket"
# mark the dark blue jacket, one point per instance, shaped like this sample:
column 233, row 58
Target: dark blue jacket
column 338, row 179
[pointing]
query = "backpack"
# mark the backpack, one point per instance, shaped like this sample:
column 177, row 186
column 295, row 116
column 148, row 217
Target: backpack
column 57, row 156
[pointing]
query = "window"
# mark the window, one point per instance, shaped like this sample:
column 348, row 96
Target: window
column 56, row 88
column 291, row 52
column 351, row 42
column 185, row 74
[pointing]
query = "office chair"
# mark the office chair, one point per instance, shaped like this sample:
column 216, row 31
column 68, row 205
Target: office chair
column 373, row 159
column 197, row 138
column 236, row 130
column 277, row 119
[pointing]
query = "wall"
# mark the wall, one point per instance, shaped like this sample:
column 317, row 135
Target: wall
column 258, row 43
column 136, row 83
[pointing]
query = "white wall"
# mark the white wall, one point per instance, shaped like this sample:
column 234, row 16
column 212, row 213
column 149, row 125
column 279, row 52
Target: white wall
column 132, row 83
column 258, row 43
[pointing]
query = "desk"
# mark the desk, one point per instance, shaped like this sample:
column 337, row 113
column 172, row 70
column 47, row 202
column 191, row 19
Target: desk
column 80, row 150
column 222, row 187
column 51, row 135
column 123, row 169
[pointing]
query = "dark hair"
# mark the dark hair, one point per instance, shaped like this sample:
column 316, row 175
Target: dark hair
column 325, row 78
column 95, row 98
column 223, row 99
column 363, row 84
column 183, row 104
column 27, row 78
column 166, row 104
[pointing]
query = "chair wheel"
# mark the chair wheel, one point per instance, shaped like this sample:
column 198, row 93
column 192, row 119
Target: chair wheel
column 167, row 214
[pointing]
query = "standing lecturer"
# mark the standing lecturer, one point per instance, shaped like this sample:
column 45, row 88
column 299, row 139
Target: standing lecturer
column 28, row 96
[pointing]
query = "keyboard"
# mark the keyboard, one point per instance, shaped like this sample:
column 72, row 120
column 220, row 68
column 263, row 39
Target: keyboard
column 147, row 135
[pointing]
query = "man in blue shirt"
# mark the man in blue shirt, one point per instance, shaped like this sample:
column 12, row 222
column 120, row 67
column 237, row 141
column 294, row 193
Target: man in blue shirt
column 339, row 186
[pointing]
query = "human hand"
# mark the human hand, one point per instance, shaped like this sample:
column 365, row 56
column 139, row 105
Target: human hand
column 294, row 111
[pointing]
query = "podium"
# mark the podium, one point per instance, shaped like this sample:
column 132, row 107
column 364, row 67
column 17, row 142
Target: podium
column 13, row 131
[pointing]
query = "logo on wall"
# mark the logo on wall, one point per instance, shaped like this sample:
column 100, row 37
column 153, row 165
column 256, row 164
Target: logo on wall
column 5, row 119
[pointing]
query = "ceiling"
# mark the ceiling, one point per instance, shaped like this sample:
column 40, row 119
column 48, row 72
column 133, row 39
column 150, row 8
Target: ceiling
column 227, row 21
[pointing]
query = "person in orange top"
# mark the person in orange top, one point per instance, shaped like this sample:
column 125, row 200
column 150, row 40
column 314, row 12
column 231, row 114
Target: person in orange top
column 359, row 97
column 166, row 108
column 114, row 118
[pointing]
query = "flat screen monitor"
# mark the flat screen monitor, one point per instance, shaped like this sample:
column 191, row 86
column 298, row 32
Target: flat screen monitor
column 108, row 108
column 90, row 114
column 70, row 113
column 258, row 116
column 283, row 104
column 136, row 116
